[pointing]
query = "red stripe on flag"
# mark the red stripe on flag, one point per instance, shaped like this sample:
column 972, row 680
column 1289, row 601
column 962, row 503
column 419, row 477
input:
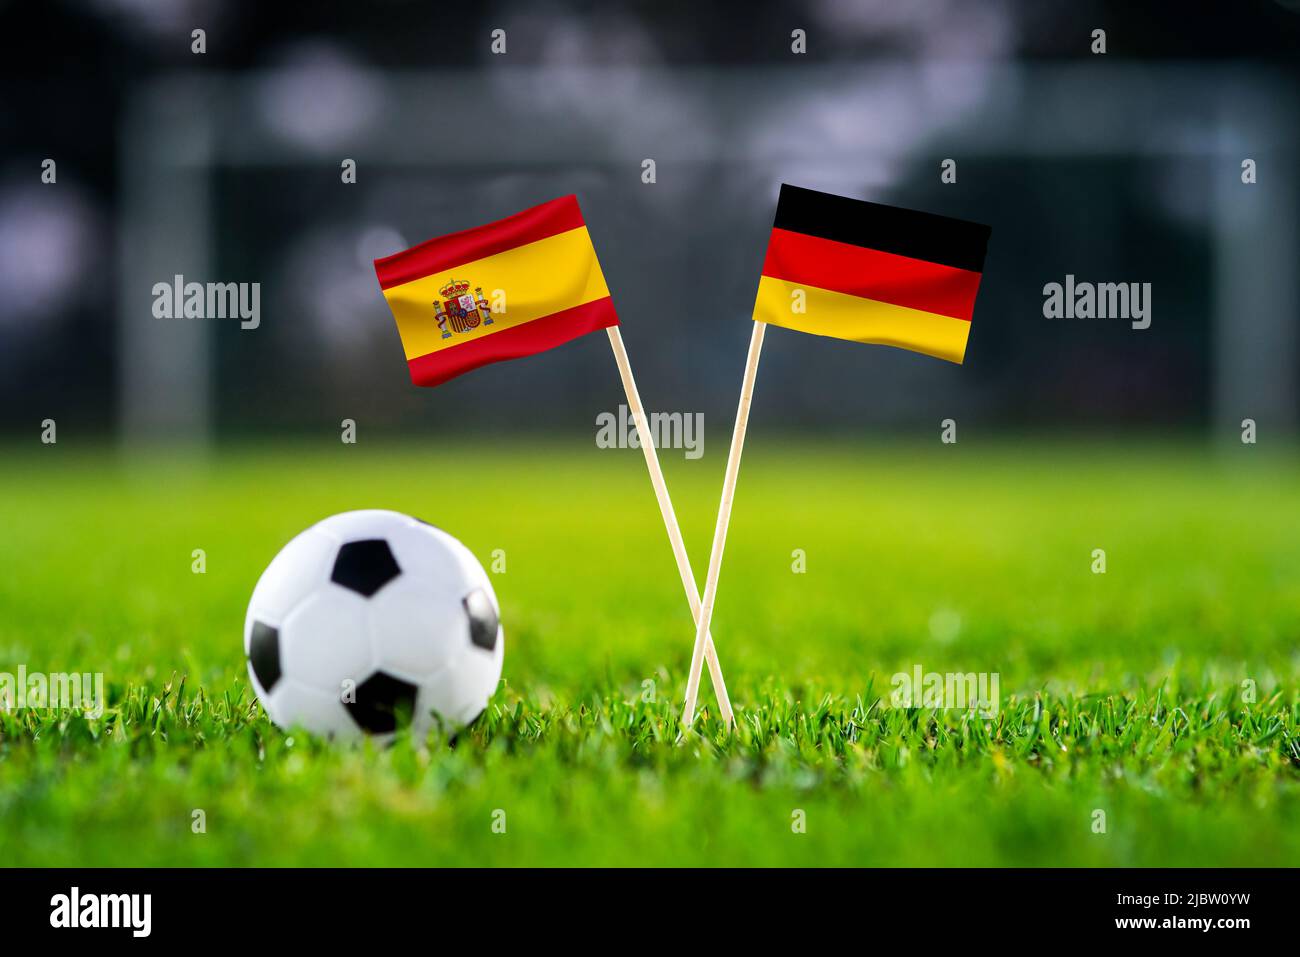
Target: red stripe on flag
column 871, row 274
column 446, row 252
column 536, row 335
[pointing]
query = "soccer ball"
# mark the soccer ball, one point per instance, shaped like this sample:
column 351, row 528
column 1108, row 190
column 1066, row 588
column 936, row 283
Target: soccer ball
column 370, row 617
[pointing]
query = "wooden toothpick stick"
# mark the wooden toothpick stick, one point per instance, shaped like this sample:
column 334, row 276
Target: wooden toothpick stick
column 724, row 517
column 670, row 519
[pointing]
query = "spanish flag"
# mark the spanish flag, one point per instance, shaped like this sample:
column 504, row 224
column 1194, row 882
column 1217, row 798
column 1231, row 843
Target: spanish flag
column 521, row 285
column 870, row 273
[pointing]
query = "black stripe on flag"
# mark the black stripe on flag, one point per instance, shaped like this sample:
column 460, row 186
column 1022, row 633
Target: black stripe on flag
column 892, row 229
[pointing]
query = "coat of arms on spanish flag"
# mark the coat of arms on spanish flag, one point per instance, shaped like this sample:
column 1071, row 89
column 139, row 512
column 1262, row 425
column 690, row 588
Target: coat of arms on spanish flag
column 871, row 273
column 511, row 288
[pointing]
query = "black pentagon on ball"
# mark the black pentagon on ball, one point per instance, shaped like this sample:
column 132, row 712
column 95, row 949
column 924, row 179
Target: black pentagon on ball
column 365, row 566
column 483, row 623
column 264, row 654
column 380, row 701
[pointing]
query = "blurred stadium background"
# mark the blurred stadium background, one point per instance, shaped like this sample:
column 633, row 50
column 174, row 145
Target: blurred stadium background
column 226, row 167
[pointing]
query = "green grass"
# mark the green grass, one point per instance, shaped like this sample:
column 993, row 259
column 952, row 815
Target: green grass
column 1126, row 693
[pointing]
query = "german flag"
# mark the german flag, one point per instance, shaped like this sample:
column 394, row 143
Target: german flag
column 521, row 285
column 871, row 273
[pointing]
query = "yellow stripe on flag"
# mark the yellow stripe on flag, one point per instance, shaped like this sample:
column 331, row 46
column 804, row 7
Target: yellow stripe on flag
column 842, row 316
column 537, row 279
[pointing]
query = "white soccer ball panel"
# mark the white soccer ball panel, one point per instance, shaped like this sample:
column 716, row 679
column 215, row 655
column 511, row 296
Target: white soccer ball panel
column 301, row 567
column 293, row 704
column 325, row 640
column 480, row 674
column 475, row 574
column 435, row 559
column 460, row 692
column 416, row 627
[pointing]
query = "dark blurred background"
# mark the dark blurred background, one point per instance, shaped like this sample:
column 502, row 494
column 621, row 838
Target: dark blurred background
column 225, row 166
